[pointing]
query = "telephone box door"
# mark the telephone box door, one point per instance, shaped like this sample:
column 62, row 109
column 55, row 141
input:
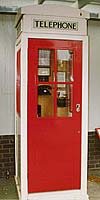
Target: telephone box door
column 54, row 114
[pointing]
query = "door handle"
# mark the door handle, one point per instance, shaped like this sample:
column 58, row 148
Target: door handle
column 77, row 107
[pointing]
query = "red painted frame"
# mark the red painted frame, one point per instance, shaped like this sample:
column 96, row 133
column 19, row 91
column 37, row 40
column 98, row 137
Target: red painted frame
column 98, row 132
column 54, row 143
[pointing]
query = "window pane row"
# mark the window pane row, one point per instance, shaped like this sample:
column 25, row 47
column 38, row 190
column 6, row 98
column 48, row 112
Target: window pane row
column 55, row 97
column 46, row 70
column 46, row 99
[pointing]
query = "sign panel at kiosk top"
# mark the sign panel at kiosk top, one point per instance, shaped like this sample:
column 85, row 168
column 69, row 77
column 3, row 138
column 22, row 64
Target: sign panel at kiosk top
column 52, row 19
column 51, row 24
column 51, row 10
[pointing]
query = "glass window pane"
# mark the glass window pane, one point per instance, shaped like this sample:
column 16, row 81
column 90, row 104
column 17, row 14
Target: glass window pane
column 45, row 65
column 64, row 100
column 45, row 106
column 65, row 66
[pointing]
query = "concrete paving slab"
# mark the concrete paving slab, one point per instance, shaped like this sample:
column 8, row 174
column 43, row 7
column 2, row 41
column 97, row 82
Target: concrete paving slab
column 8, row 190
column 93, row 190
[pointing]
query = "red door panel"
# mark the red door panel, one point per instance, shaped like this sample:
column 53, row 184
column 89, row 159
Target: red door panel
column 54, row 138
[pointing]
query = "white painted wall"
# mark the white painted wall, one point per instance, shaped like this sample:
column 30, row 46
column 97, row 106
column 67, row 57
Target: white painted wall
column 94, row 74
column 7, row 71
column 17, row 3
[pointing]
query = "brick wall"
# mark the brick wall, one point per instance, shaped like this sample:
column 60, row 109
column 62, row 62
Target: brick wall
column 7, row 155
column 93, row 151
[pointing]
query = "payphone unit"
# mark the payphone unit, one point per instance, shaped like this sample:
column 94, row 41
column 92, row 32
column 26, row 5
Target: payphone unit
column 51, row 103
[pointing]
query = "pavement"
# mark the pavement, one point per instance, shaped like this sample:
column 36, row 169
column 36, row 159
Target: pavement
column 93, row 190
column 8, row 188
column 94, row 185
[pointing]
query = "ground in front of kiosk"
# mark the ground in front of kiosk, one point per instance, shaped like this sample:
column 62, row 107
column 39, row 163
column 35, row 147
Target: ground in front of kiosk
column 8, row 188
column 94, row 184
column 93, row 190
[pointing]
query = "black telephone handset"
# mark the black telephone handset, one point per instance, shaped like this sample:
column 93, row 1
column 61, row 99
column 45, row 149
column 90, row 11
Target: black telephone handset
column 44, row 90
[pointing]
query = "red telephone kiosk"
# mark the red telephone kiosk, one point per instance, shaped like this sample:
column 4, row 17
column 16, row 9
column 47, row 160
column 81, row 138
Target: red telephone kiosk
column 51, row 103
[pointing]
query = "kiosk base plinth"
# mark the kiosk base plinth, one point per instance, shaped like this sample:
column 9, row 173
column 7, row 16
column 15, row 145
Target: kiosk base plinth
column 62, row 195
